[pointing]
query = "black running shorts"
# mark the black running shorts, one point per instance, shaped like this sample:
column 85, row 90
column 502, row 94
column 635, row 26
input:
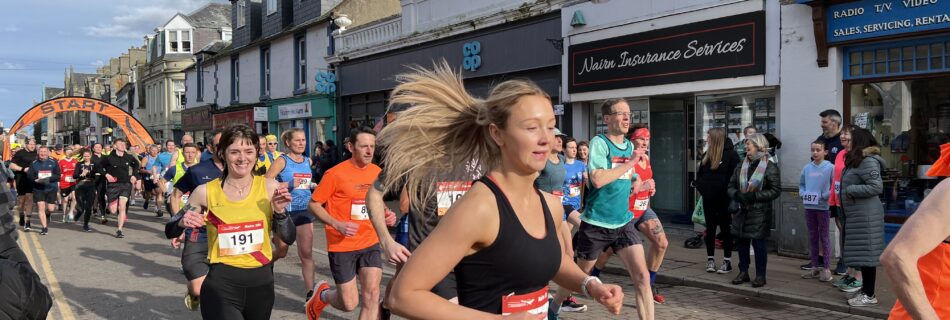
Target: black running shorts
column 346, row 265
column 590, row 240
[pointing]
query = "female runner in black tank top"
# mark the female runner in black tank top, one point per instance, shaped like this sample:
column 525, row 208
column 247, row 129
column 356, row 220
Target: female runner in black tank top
column 500, row 237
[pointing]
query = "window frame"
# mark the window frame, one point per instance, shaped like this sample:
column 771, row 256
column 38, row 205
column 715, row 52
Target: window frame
column 241, row 13
column 199, row 80
column 179, row 34
column 266, row 69
column 300, row 64
column 270, row 7
column 235, row 80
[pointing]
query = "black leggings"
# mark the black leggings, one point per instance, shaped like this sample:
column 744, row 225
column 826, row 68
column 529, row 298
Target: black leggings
column 85, row 197
column 101, row 196
column 235, row 293
column 870, row 277
column 717, row 216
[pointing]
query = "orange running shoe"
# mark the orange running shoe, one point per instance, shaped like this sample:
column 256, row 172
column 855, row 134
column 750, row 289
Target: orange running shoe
column 315, row 305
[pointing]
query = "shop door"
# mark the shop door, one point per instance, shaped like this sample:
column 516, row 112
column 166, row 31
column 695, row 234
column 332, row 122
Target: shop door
column 666, row 155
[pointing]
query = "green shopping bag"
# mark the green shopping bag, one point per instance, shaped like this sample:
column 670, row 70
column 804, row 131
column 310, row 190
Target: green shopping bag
column 698, row 216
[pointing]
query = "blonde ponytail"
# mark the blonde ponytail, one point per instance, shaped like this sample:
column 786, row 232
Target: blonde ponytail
column 443, row 130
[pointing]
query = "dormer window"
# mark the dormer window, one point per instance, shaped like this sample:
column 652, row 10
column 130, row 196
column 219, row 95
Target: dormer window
column 271, row 6
column 241, row 13
column 178, row 41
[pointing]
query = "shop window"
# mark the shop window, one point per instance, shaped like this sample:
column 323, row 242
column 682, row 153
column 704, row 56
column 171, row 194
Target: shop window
column 916, row 56
column 735, row 112
column 910, row 119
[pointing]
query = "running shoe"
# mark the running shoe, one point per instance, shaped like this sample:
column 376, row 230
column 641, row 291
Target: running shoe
column 725, row 268
column 710, row 265
column 571, row 305
column 309, row 295
column 862, row 300
column 315, row 305
column 64, row 217
column 813, row 274
column 842, row 281
column 22, row 220
column 27, row 227
column 44, row 231
column 807, row 266
column 825, row 275
column 86, row 228
column 657, row 297
column 852, row 286
column 118, row 234
column 159, row 214
column 191, row 302
column 851, row 295
column 144, row 205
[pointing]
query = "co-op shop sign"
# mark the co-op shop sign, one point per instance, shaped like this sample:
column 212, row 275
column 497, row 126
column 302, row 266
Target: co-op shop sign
column 870, row 19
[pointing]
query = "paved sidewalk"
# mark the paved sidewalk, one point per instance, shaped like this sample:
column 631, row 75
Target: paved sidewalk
column 684, row 266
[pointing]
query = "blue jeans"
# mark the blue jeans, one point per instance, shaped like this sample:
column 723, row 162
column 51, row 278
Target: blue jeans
column 761, row 255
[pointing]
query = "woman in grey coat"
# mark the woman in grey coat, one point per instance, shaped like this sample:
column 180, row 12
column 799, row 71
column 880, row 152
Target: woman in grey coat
column 861, row 185
column 754, row 184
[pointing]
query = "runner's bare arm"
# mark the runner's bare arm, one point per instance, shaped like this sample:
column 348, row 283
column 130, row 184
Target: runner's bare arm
column 923, row 232
column 602, row 177
column 194, row 210
column 176, row 194
column 453, row 239
column 275, row 168
column 570, row 276
column 395, row 252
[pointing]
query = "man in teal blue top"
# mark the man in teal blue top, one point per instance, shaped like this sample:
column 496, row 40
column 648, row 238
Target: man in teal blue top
column 607, row 221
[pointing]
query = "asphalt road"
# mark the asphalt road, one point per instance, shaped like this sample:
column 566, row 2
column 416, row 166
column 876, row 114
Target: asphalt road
column 96, row 276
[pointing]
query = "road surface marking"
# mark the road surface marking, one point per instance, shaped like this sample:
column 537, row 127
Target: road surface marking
column 25, row 244
column 55, row 290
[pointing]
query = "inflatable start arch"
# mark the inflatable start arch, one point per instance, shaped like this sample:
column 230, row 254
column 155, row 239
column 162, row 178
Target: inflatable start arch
column 134, row 130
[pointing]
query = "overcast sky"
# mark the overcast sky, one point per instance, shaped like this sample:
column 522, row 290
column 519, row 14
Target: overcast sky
column 42, row 38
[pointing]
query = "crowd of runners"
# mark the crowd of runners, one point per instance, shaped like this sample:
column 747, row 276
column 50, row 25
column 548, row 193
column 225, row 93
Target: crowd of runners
column 481, row 185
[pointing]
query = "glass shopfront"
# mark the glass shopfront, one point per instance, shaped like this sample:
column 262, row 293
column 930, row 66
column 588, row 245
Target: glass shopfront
column 910, row 119
column 900, row 91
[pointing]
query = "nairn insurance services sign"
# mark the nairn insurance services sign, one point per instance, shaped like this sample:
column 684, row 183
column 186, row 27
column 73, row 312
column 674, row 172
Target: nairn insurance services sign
column 721, row 48
column 859, row 20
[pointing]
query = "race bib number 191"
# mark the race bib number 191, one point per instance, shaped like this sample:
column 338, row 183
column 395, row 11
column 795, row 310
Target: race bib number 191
column 240, row 238
column 449, row 192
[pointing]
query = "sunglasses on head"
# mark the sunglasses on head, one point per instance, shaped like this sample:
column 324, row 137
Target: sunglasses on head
column 272, row 143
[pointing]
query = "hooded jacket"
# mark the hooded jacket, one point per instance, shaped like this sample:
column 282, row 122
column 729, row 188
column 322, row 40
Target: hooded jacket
column 863, row 210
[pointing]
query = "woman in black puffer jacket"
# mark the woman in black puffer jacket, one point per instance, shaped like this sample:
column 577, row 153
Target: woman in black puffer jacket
column 754, row 185
column 712, row 181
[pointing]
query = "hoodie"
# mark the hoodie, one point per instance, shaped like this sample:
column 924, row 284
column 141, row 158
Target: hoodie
column 814, row 187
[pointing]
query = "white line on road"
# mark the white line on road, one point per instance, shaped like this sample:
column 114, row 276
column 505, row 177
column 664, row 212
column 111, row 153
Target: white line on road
column 55, row 290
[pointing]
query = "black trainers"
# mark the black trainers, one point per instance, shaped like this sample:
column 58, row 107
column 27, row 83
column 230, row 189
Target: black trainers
column 44, row 231
column 27, row 226
column 118, row 234
column 570, row 305
column 159, row 214
column 725, row 268
column 145, row 205
column 807, row 266
column 86, row 228
column 22, row 220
